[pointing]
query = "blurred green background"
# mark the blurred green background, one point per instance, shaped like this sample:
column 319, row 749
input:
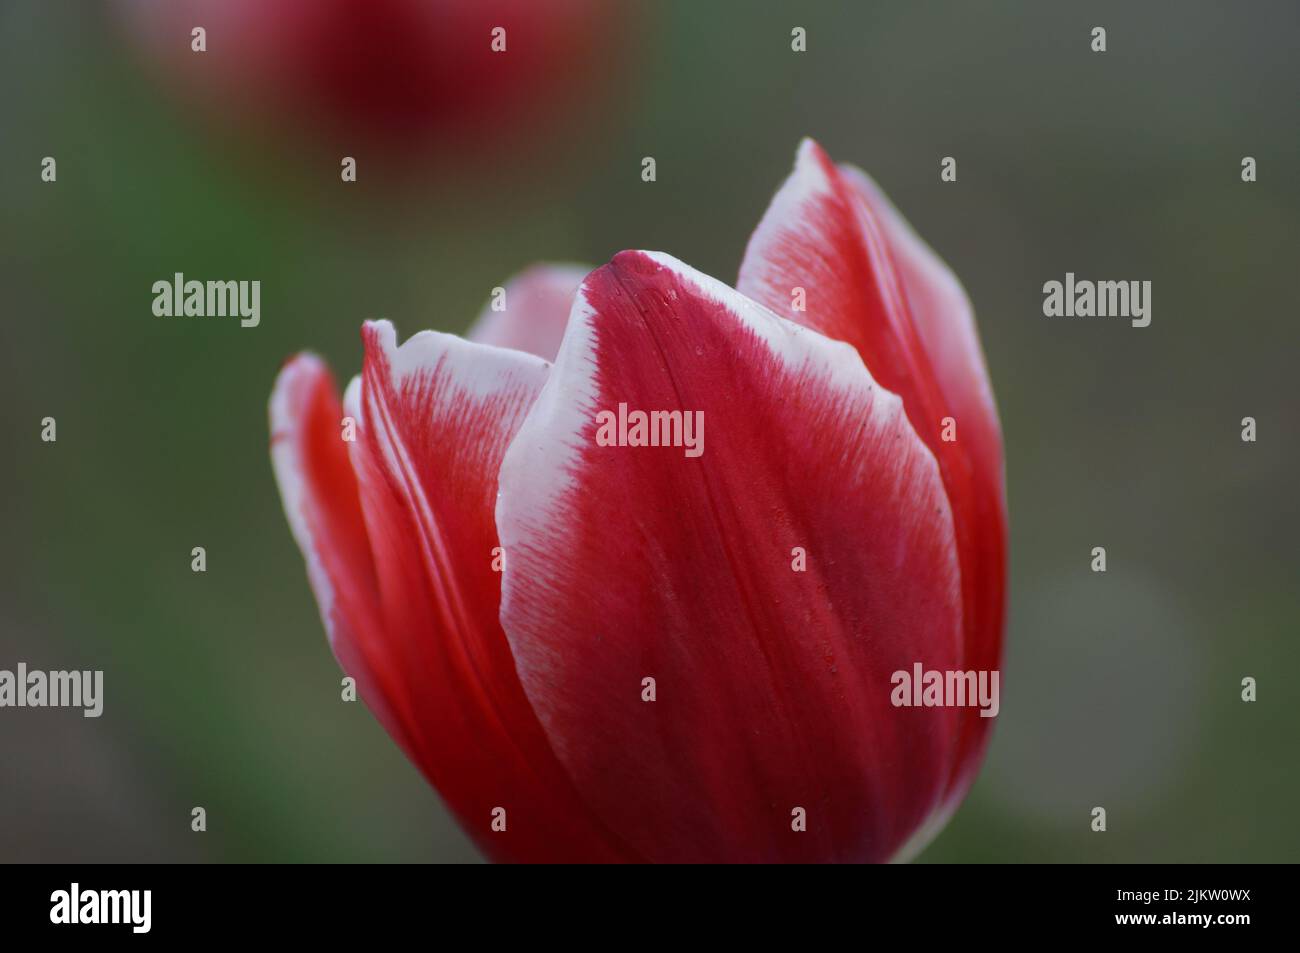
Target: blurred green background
column 1121, row 690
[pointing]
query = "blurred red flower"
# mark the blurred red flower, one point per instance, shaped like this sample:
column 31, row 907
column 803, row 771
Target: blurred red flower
column 396, row 74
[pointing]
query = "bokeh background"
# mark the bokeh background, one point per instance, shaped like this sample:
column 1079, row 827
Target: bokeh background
column 1121, row 690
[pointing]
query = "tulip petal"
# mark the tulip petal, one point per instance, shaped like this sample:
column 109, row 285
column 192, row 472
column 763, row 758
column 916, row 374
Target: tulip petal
column 434, row 417
column 323, row 507
column 871, row 282
column 630, row 562
column 536, row 308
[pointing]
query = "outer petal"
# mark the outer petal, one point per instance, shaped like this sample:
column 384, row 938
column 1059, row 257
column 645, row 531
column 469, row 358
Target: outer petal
column 872, row 283
column 537, row 305
column 321, row 501
column 773, row 686
column 433, row 420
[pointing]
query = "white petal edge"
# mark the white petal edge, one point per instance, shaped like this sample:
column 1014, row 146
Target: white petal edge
column 805, row 182
column 300, row 370
column 957, row 341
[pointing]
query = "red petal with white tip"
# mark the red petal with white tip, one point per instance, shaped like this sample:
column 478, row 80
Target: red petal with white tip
column 319, row 491
column 433, row 420
column 870, row 281
column 772, row 686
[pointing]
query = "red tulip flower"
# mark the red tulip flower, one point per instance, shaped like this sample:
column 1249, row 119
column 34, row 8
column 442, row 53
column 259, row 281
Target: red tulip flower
column 390, row 73
column 617, row 651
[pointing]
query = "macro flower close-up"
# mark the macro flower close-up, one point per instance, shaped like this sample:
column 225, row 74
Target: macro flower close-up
column 643, row 568
column 549, row 435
